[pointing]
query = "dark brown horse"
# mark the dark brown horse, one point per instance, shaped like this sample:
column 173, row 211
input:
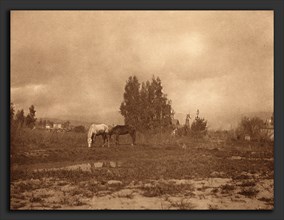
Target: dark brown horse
column 122, row 130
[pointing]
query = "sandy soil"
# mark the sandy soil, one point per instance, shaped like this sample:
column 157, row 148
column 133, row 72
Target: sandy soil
column 187, row 175
column 251, row 193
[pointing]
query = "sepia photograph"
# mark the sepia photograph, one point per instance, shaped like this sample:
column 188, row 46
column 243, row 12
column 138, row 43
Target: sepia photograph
column 141, row 110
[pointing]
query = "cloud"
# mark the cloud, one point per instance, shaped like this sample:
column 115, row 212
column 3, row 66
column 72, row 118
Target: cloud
column 76, row 63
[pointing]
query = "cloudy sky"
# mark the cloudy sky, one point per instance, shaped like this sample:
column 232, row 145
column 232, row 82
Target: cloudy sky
column 74, row 64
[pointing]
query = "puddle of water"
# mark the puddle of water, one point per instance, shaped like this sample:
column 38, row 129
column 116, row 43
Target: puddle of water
column 236, row 158
column 36, row 153
column 249, row 158
column 83, row 167
column 112, row 164
column 98, row 164
column 88, row 166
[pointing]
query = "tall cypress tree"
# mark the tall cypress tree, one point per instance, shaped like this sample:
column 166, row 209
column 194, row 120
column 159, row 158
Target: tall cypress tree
column 146, row 107
column 12, row 112
column 129, row 108
column 31, row 119
column 20, row 118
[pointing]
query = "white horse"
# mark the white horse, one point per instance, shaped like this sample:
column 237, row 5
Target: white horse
column 98, row 129
column 174, row 132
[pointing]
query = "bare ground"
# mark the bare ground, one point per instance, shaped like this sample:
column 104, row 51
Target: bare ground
column 185, row 175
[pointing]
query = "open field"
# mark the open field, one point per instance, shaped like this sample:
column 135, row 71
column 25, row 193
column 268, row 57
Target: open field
column 58, row 171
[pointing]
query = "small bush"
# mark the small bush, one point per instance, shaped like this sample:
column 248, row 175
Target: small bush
column 249, row 192
column 183, row 204
column 252, row 127
column 35, row 199
column 248, row 183
column 226, row 188
column 160, row 189
column 79, row 129
column 199, row 125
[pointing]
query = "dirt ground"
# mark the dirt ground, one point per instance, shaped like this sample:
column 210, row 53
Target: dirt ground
column 182, row 175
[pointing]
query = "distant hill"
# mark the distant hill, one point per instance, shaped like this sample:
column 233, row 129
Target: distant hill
column 262, row 115
column 227, row 121
column 108, row 118
column 72, row 122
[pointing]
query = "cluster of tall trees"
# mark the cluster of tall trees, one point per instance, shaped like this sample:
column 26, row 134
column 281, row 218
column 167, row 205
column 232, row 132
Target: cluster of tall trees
column 253, row 127
column 20, row 119
column 145, row 106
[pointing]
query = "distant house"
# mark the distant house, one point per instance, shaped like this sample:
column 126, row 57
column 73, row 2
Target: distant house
column 48, row 126
column 175, row 123
column 247, row 137
column 57, row 126
column 268, row 132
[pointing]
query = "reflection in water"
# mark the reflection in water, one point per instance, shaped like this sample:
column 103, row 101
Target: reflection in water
column 90, row 167
column 111, row 164
column 250, row 158
column 97, row 164
column 83, row 167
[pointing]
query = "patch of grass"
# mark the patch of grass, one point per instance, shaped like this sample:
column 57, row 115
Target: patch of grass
column 17, row 205
column 203, row 188
column 65, row 199
column 115, row 188
column 25, row 186
column 165, row 188
column 215, row 190
column 183, row 204
column 87, row 193
column 56, row 206
column 100, row 186
column 143, row 161
column 62, row 183
column 268, row 201
column 227, row 188
column 247, row 183
column 76, row 191
column 212, row 207
column 77, row 201
column 93, row 188
column 44, row 196
column 264, row 199
column 35, row 199
column 241, row 177
column 60, row 174
column 249, row 192
column 18, row 195
column 126, row 195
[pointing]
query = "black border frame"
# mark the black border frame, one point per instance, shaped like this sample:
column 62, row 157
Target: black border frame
column 6, row 5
